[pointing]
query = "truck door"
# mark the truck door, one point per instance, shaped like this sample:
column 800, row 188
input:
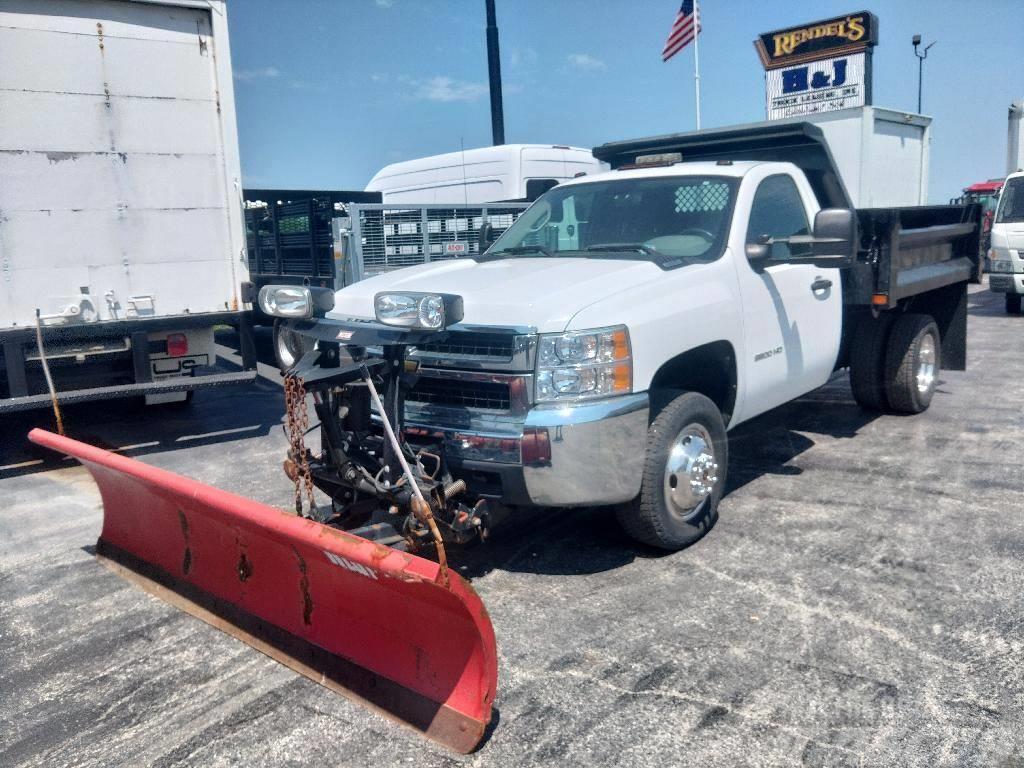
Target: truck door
column 792, row 312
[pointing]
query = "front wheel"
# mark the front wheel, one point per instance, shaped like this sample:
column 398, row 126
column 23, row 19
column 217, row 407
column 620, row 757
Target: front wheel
column 1013, row 303
column 684, row 475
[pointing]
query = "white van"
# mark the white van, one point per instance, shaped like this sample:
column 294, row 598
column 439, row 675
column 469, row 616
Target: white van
column 1007, row 254
column 510, row 172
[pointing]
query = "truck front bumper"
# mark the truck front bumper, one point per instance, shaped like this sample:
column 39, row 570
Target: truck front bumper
column 1006, row 282
column 557, row 455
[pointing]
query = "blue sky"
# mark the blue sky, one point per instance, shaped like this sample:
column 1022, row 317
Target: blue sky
column 329, row 91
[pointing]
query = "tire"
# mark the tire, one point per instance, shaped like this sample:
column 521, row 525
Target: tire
column 289, row 347
column 656, row 517
column 912, row 361
column 867, row 362
column 1013, row 303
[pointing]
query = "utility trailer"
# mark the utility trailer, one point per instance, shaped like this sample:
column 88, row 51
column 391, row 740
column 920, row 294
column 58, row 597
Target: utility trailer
column 293, row 236
column 121, row 241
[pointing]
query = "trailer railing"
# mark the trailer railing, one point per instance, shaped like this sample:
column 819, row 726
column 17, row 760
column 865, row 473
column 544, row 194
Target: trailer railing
column 380, row 237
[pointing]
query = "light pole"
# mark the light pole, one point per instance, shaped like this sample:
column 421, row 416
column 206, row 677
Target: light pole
column 921, row 56
column 494, row 76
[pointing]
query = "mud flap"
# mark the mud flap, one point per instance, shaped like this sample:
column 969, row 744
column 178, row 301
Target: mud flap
column 372, row 623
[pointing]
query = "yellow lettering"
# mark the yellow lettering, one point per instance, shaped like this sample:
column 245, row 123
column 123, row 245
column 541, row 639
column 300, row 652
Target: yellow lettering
column 852, row 28
column 856, row 28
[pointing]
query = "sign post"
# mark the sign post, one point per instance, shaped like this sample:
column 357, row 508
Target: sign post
column 818, row 67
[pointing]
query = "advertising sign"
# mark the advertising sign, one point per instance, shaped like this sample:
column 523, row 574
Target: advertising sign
column 819, row 86
column 818, row 67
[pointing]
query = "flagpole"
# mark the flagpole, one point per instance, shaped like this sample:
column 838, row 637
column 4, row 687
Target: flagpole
column 696, row 56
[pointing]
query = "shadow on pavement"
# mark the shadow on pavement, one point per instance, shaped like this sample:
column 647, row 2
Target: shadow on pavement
column 215, row 415
column 586, row 541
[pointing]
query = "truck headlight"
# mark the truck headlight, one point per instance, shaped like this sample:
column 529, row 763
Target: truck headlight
column 580, row 365
column 423, row 311
column 295, row 301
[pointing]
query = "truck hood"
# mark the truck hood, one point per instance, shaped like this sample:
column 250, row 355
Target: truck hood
column 544, row 293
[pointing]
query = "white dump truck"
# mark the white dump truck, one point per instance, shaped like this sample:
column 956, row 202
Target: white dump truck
column 121, row 225
column 597, row 352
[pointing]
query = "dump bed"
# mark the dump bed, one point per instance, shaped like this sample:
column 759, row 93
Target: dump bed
column 903, row 251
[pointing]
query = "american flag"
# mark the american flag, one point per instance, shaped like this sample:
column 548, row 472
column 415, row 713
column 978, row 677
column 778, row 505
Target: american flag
column 684, row 29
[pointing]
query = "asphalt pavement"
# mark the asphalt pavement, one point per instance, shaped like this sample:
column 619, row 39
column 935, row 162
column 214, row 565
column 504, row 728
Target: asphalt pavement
column 860, row 602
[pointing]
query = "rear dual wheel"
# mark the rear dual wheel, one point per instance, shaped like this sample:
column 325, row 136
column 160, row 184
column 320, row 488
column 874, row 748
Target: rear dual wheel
column 912, row 361
column 894, row 363
column 684, row 475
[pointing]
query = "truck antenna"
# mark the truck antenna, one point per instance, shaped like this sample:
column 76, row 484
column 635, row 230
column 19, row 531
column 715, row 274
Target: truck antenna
column 465, row 190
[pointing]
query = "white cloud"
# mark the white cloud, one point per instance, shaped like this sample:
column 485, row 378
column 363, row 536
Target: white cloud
column 384, row 3
column 448, row 89
column 585, row 61
column 246, row 75
column 520, row 57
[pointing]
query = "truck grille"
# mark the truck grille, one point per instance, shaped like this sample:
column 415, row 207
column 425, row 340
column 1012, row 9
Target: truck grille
column 471, row 343
column 461, row 394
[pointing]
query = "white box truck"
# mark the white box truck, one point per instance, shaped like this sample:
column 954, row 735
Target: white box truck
column 121, row 225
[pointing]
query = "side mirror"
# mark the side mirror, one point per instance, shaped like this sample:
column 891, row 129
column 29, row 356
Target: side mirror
column 759, row 250
column 835, row 235
column 485, row 237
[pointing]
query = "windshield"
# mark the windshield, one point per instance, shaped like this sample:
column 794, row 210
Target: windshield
column 1011, row 202
column 668, row 217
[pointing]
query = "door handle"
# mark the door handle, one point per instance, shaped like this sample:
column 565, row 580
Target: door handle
column 821, row 284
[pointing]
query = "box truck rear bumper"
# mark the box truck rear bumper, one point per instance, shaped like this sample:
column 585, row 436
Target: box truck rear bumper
column 176, row 384
column 123, row 358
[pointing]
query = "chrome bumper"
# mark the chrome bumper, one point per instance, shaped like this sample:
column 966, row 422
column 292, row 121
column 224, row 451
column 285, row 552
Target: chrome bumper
column 568, row 455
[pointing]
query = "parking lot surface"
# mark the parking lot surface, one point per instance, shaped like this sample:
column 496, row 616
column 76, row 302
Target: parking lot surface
column 860, row 602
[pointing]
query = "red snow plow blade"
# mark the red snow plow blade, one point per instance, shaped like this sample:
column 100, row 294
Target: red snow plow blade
column 373, row 623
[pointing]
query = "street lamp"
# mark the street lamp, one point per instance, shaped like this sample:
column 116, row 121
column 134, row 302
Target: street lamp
column 921, row 56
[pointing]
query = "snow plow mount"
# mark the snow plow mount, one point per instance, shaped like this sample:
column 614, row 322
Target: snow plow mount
column 380, row 486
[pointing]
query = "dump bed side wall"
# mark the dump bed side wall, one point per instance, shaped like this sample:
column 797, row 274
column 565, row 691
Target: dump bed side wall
column 119, row 157
column 904, row 252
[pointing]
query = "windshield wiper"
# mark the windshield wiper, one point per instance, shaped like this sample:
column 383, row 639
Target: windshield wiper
column 612, row 247
column 521, row 250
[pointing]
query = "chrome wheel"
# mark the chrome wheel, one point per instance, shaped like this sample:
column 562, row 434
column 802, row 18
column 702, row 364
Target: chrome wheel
column 691, row 471
column 925, row 373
